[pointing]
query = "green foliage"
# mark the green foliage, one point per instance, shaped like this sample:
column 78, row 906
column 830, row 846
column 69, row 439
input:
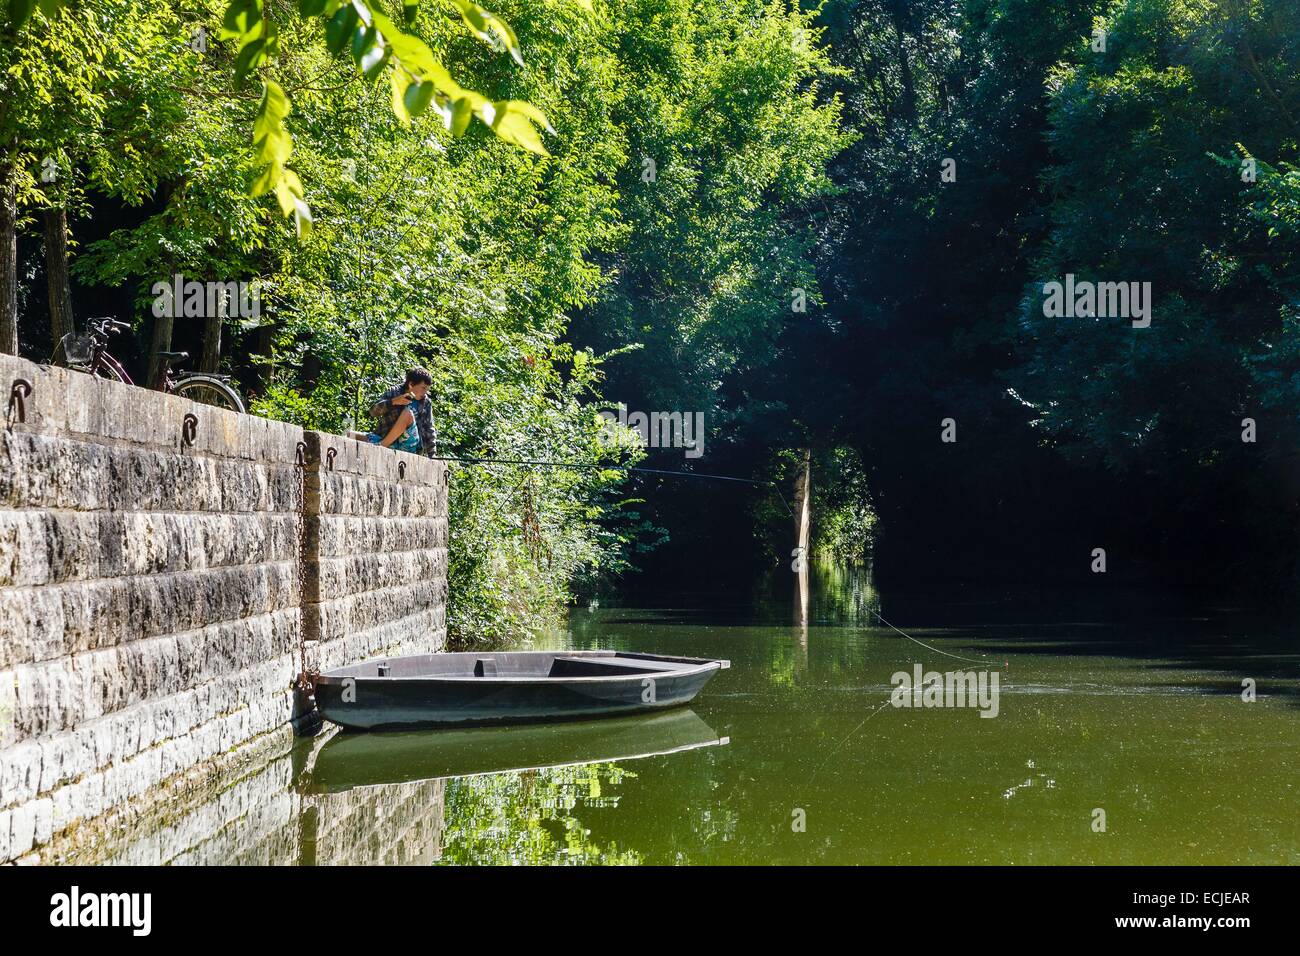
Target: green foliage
column 418, row 79
column 18, row 12
column 843, row 521
column 1138, row 196
column 729, row 134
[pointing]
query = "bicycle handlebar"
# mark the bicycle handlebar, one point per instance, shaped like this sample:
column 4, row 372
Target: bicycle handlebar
column 106, row 323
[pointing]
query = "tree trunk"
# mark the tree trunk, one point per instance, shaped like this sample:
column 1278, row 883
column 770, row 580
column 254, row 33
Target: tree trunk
column 265, row 345
column 802, row 527
column 162, row 342
column 8, row 261
column 56, row 273
column 803, row 502
column 211, row 360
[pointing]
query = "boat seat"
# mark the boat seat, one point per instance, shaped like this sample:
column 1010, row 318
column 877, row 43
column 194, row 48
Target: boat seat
column 619, row 663
column 644, row 665
column 485, row 667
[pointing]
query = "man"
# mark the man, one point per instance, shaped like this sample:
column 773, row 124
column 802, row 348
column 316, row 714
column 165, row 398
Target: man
column 405, row 416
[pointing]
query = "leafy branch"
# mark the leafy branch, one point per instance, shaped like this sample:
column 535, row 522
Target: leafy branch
column 419, row 81
column 376, row 44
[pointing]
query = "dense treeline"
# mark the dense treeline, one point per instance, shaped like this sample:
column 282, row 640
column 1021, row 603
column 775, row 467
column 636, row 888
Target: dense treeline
column 1103, row 140
column 1000, row 145
column 825, row 229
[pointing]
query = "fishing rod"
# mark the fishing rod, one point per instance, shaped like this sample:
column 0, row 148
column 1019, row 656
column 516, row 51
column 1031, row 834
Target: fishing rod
column 582, row 465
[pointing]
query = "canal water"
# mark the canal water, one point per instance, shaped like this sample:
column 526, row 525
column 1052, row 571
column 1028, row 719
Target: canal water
column 1121, row 736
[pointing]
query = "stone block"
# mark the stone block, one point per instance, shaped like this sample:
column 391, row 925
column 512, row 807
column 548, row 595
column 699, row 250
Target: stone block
column 22, row 829
column 20, row 773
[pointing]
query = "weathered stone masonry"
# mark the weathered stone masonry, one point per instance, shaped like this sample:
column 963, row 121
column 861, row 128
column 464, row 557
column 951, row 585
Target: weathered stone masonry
column 153, row 594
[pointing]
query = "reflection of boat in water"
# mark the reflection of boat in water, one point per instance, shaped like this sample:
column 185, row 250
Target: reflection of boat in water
column 363, row 760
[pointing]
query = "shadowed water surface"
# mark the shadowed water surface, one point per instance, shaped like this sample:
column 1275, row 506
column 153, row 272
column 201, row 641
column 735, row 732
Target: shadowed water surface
column 1120, row 703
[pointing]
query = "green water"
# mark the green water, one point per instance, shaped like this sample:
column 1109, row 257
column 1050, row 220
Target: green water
column 1118, row 705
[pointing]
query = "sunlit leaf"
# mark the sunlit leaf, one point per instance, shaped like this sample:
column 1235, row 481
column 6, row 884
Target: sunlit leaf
column 363, row 38
column 400, row 81
column 490, row 28
column 251, row 56
column 265, row 181
column 417, row 97
column 339, row 29
column 514, row 121
column 372, row 64
column 462, row 111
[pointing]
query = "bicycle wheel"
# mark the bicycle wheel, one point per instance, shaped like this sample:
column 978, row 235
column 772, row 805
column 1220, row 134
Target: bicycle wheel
column 207, row 390
column 108, row 368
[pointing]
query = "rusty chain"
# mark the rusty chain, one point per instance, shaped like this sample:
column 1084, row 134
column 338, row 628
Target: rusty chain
column 306, row 682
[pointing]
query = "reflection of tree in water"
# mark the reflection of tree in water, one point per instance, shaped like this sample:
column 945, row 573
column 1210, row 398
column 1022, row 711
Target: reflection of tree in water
column 527, row 817
column 842, row 594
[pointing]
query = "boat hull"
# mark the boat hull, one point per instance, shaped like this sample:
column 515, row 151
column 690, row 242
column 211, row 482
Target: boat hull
column 442, row 690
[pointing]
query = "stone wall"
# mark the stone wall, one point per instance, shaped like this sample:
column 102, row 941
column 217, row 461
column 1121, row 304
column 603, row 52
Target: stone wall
column 376, row 573
column 154, row 595
column 262, row 810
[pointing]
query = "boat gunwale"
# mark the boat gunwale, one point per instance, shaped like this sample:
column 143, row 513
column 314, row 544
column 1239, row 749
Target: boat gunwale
column 698, row 665
column 541, row 680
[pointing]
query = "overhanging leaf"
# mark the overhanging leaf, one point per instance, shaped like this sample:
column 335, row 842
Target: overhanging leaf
column 489, row 28
column 514, row 121
column 20, row 11
column 417, row 97
column 339, row 29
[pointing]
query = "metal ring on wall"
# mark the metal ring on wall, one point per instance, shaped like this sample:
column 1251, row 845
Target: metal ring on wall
column 18, row 395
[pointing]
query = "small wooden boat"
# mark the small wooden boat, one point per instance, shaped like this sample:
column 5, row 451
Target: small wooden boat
column 463, row 689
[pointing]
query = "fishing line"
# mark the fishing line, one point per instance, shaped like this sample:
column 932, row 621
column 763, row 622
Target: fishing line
column 836, row 749
column 889, row 699
column 956, row 657
column 580, row 465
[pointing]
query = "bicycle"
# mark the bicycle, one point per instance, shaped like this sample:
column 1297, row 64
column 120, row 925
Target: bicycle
column 89, row 353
